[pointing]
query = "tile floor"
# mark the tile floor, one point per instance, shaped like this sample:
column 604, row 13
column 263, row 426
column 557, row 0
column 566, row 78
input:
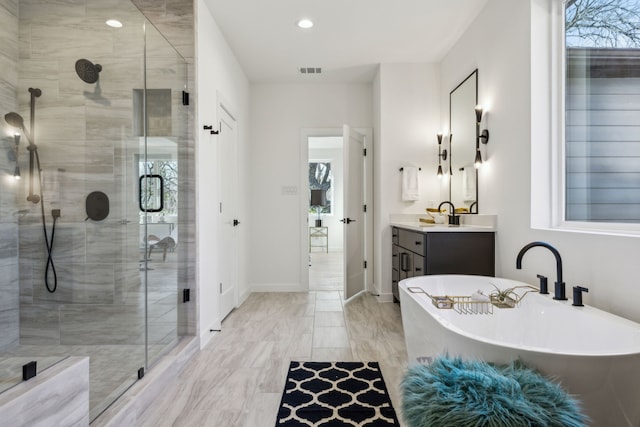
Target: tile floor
column 326, row 271
column 237, row 380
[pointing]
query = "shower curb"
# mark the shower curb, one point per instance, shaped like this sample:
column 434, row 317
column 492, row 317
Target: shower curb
column 58, row 396
column 129, row 408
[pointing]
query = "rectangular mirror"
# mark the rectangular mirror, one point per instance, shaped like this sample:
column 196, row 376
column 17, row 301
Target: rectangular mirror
column 463, row 183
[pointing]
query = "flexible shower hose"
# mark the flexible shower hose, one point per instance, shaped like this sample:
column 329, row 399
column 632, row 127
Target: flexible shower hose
column 49, row 243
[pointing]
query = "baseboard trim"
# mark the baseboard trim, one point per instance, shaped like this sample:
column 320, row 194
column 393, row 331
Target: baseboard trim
column 278, row 287
column 207, row 333
column 385, row 297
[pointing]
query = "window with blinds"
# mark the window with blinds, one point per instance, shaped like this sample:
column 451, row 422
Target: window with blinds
column 602, row 111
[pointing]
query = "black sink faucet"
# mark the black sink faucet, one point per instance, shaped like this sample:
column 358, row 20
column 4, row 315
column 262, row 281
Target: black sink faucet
column 453, row 218
column 559, row 285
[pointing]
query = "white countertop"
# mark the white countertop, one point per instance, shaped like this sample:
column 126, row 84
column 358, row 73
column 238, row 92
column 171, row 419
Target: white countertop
column 468, row 223
column 435, row 228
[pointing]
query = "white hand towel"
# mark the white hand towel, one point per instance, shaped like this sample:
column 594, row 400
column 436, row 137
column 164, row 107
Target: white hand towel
column 410, row 184
column 469, row 183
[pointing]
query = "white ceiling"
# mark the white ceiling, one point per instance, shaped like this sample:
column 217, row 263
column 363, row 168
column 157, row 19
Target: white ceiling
column 348, row 40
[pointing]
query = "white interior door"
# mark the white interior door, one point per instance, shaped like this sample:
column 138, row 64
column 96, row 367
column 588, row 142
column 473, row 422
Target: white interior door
column 228, row 208
column 354, row 219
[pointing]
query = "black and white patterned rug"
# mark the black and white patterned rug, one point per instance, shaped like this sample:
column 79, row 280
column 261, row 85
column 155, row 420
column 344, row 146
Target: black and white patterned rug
column 333, row 394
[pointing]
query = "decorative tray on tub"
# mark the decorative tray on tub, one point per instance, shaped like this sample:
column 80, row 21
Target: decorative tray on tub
column 461, row 304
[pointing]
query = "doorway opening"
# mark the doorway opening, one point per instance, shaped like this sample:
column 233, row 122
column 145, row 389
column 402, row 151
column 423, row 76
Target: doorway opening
column 325, row 184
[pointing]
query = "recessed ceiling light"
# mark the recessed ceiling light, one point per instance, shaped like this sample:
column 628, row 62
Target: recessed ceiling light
column 114, row 23
column 305, row 23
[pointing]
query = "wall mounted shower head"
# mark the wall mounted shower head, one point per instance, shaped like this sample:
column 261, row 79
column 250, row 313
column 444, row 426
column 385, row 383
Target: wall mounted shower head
column 88, row 71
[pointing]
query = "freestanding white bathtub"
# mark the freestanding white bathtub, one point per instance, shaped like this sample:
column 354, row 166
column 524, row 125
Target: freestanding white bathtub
column 594, row 354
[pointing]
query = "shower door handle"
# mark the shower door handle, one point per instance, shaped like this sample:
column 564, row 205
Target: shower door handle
column 151, row 193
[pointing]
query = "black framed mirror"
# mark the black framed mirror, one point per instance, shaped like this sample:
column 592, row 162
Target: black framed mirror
column 463, row 182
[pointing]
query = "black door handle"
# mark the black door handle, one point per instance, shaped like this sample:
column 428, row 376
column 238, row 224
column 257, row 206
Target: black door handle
column 347, row 220
column 236, row 222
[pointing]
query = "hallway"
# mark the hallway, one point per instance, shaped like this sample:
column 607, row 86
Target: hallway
column 326, row 271
column 238, row 379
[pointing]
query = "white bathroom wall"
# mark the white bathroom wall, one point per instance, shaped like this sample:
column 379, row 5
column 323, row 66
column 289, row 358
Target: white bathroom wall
column 278, row 114
column 408, row 119
column 218, row 75
column 499, row 44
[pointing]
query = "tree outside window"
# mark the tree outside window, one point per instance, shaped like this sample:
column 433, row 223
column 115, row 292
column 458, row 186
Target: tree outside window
column 168, row 169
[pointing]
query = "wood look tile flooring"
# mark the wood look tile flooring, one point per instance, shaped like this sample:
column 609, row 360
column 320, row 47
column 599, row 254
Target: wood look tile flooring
column 238, row 379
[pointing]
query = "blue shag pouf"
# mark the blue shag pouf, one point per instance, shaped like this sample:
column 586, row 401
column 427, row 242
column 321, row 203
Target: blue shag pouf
column 453, row 392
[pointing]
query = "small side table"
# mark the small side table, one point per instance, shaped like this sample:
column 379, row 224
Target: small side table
column 319, row 233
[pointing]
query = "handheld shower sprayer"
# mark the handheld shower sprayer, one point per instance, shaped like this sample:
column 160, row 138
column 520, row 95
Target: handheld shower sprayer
column 15, row 120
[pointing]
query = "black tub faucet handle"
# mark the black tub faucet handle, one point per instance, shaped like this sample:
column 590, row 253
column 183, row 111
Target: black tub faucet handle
column 577, row 295
column 544, row 289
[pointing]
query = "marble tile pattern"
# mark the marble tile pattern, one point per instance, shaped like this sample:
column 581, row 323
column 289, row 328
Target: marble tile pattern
column 107, row 380
column 85, row 143
column 9, row 260
column 237, row 380
column 174, row 18
column 59, row 396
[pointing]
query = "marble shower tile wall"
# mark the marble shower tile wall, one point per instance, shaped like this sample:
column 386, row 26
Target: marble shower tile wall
column 174, row 18
column 84, row 137
column 82, row 132
column 9, row 261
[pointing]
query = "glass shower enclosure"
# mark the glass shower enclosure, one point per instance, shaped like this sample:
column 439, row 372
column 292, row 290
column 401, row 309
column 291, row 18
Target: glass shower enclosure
column 95, row 148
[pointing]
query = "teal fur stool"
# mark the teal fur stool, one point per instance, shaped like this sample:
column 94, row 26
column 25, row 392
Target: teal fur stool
column 452, row 392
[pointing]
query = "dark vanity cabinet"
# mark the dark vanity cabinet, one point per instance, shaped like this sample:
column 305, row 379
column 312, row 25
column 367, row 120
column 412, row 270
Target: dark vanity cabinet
column 416, row 253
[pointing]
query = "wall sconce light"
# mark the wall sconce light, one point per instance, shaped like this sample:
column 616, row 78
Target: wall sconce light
column 480, row 136
column 442, row 154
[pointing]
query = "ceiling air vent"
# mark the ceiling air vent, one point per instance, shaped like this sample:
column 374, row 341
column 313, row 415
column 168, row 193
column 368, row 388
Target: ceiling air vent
column 310, row 70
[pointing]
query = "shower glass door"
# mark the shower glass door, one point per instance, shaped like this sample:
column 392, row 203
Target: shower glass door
column 103, row 105
column 159, row 169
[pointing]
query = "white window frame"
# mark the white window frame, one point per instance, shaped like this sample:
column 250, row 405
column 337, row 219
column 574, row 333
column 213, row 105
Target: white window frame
column 557, row 190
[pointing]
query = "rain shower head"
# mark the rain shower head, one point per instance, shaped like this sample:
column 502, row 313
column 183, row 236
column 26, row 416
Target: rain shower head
column 88, row 71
